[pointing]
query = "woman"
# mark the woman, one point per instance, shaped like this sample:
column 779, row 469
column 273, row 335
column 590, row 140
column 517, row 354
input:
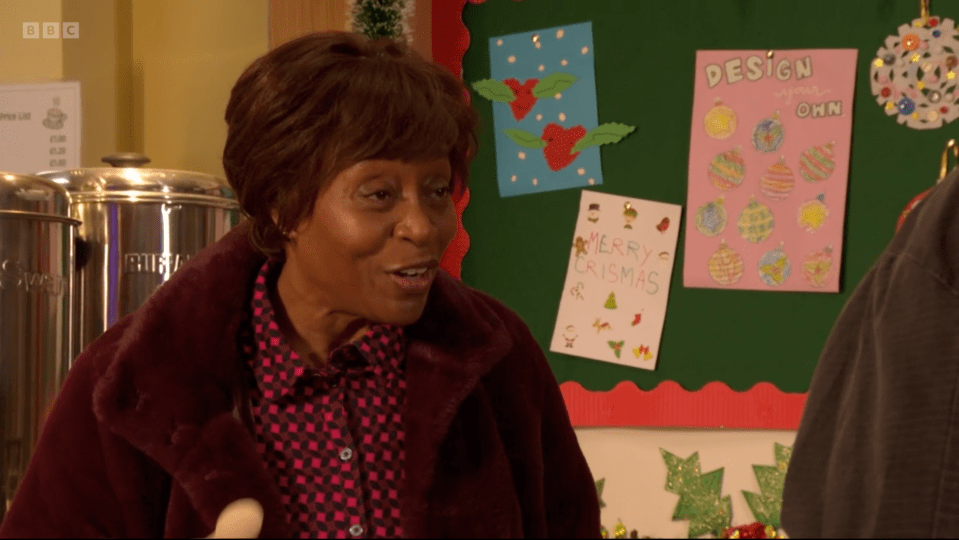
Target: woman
column 316, row 359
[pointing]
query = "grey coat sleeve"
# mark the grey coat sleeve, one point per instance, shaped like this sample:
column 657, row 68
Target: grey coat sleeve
column 877, row 453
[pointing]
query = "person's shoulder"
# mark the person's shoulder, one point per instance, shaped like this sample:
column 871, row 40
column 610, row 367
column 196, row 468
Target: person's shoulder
column 97, row 356
column 472, row 299
column 935, row 216
column 929, row 237
column 483, row 315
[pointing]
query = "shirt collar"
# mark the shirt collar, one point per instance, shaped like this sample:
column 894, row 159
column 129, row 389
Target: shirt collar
column 278, row 367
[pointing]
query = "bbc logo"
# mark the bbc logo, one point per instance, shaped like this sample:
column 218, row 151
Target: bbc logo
column 51, row 30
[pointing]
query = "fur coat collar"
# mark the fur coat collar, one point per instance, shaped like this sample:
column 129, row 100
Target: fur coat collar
column 172, row 381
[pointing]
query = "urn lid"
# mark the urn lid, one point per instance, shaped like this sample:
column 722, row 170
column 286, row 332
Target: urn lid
column 32, row 197
column 128, row 181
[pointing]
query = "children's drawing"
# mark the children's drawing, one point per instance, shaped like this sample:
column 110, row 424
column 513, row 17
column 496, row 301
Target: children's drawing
column 547, row 131
column 592, row 215
column 570, row 335
column 768, row 168
column 625, row 276
column 600, row 326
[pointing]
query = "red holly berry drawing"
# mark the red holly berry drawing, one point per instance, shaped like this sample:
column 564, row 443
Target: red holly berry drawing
column 524, row 100
column 522, row 97
column 559, row 144
column 562, row 145
column 663, row 225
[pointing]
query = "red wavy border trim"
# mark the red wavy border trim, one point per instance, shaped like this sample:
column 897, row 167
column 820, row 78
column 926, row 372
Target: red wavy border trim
column 715, row 405
column 450, row 41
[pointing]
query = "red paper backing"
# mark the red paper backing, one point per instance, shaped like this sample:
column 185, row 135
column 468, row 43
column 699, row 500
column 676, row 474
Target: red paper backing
column 715, row 405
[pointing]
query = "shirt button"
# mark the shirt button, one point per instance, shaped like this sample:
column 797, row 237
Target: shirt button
column 356, row 530
column 346, row 454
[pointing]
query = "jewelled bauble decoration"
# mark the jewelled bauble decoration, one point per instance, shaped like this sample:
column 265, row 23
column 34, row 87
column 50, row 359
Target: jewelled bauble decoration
column 755, row 221
column 774, row 267
column 725, row 265
column 778, row 181
column 711, row 218
column 768, row 134
column 914, row 74
column 726, row 170
column 815, row 269
column 812, row 214
column 816, row 163
column 720, row 121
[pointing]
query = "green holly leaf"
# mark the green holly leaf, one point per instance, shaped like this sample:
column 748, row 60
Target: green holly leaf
column 525, row 138
column 603, row 134
column 552, row 84
column 680, row 473
column 600, row 484
column 494, row 90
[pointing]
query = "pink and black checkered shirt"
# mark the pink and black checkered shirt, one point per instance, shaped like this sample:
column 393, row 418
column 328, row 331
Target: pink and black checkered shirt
column 332, row 436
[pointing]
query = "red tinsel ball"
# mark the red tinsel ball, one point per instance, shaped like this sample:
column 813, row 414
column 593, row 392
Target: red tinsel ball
column 752, row 530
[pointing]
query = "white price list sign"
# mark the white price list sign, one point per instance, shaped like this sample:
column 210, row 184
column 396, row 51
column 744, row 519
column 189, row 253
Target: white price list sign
column 39, row 127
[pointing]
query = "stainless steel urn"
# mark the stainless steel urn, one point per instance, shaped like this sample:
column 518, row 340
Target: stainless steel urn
column 36, row 305
column 138, row 226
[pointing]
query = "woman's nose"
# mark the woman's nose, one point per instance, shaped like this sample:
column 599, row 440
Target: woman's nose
column 416, row 223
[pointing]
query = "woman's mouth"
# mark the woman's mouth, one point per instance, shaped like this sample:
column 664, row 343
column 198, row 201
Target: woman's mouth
column 414, row 280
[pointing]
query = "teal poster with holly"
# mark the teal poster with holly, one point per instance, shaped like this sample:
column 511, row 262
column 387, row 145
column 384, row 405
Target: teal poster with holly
column 543, row 87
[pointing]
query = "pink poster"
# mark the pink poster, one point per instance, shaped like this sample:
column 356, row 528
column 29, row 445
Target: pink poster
column 768, row 169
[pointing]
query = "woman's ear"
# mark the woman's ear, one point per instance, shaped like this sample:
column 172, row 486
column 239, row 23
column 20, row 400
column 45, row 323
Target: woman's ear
column 289, row 235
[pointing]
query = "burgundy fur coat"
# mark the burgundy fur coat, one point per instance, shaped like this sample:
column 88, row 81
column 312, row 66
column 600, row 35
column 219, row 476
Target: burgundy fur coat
column 147, row 436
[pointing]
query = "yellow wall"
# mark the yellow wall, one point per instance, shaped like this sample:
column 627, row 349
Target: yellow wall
column 155, row 74
column 28, row 60
column 188, row 54
column 93, row 60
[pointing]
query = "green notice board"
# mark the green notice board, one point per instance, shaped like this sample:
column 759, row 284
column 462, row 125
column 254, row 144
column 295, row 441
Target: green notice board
column 644, row 61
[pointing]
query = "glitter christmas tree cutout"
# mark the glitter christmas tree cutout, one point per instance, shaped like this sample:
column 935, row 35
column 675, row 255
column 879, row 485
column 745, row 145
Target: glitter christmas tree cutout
column 700, row 495
column 767, row 505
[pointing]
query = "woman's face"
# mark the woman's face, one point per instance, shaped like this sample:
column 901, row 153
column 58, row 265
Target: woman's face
column 373, row 244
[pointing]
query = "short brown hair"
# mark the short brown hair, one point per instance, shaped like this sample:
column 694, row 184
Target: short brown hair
column 315, row 106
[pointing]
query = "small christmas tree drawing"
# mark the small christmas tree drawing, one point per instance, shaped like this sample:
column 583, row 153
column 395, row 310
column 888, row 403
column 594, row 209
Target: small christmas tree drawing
column 611, row 301
column 767, row 505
